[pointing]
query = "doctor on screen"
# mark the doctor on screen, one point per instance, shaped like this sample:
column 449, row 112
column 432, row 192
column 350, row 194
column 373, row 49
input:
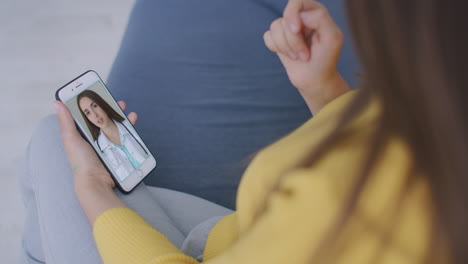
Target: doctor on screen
column 122, row 150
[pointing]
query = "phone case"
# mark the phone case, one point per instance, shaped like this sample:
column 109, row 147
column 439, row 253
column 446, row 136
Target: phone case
column 117, row 183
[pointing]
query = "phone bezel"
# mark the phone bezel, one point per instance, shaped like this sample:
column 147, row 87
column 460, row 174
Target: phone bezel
column 78, row 85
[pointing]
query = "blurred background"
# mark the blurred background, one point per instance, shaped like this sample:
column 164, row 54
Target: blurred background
column 43, row 45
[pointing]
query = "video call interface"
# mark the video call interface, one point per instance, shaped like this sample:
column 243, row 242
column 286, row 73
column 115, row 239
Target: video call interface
column 110, row 132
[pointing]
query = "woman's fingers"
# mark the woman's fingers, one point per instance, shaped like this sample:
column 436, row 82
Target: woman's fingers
column 122, row 105
column 269, row 42
column 291, row 15
column 132, row 117
column 296, row 43
column 294, row 8
column 322, row 23
column 71, row 139
column 288, row 35
column 279, row 39
column 67, row 124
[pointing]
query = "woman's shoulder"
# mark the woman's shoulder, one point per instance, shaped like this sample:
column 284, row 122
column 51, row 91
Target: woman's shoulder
column 326, row 187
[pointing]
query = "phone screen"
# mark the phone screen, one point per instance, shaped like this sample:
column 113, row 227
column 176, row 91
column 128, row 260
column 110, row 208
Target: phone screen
column 109, row 131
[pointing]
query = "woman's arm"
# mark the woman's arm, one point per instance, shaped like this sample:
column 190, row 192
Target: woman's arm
column 308, row 43
column 96, row 198
column 93, row 184
column 122, row 236
column 331, row 90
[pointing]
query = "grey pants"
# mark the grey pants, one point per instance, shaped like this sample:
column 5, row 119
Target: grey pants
column 56, row 229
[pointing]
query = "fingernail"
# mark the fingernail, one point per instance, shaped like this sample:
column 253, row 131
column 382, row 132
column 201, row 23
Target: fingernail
column 294, row 27
column 292, row 55
column 303, row 56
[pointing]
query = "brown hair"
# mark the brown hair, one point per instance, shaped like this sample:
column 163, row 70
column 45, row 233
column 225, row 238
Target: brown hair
column 414, row 56
column 111, row 113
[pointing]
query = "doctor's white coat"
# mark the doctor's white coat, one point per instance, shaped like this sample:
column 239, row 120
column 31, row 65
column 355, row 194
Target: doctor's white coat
column 115, row 157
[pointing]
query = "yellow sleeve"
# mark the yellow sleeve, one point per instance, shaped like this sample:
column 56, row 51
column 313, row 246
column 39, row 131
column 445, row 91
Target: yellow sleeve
column 297, row 219
column 222, row 236
column 122, row 236
column 291, row 227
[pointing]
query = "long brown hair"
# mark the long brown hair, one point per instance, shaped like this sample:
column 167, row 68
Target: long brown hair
column 414, row 56
column 111, row 113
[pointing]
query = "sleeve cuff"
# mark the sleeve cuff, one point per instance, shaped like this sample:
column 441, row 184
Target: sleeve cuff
column 122, row 236
column 221, row 236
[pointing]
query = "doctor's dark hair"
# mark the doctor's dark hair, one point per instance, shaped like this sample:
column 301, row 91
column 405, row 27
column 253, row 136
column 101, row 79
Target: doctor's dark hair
column 111, row 113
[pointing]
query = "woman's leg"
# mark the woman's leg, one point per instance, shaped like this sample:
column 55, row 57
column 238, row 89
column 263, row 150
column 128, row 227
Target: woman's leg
column 192, row 215
column 184, row 209
column 56, row 229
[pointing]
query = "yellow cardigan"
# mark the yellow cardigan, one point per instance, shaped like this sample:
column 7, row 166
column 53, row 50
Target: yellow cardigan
column 298, row 216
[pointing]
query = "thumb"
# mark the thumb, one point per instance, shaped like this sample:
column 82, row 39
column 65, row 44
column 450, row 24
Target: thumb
column 67, row 124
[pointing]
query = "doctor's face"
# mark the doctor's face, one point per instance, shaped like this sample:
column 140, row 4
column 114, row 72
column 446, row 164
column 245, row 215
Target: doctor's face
column 94, row 112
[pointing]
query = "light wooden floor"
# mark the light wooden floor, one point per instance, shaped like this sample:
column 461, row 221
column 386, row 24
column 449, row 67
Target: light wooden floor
column 43, row 44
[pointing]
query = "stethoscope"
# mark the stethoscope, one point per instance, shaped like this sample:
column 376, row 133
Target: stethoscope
column 97, row 141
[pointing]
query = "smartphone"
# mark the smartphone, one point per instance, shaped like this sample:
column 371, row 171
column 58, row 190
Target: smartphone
column 102, row 123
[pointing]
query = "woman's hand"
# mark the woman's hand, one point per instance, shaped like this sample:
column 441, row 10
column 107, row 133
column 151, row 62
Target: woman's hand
column 87, row 168
column 93, row 184
column 308, row 43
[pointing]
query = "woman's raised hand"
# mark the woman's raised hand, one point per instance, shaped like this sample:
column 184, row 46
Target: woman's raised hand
column 308, row 43
column 87, row 168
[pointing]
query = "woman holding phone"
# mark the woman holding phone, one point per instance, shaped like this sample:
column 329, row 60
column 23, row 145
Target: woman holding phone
column 111, row 133
column 378, row 175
